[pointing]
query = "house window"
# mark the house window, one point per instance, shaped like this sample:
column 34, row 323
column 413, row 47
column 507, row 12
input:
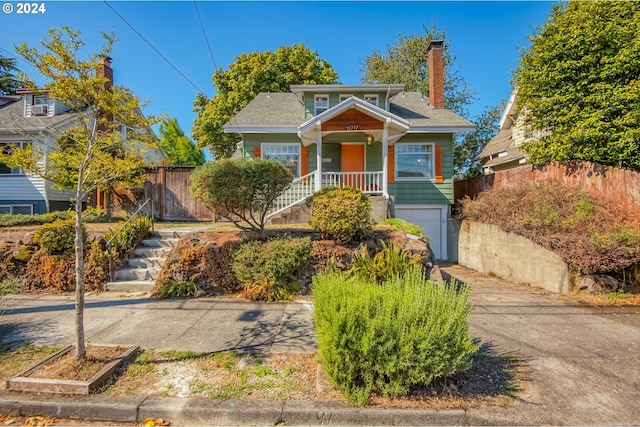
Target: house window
column 371, row 99
column 6, row 148
column 414, row 161
column 287, row 154
column 344, row 97
column 16, row 209
column 321, row 103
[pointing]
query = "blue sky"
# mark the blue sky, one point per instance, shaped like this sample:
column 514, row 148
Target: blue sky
column 484, row 36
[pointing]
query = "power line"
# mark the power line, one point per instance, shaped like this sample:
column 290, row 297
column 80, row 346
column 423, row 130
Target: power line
column 153, row 47
column 215, row 67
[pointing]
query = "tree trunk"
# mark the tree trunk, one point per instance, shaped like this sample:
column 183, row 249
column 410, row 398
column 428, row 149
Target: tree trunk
column 79, row 246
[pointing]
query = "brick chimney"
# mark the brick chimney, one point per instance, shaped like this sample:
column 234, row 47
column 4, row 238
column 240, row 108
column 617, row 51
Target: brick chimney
column 106, row 71
column 436, row 74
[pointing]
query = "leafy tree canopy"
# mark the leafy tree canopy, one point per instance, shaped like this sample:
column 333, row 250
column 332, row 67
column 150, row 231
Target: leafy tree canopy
column 407, row 62
column 8, row 81
column 580, row 79
column 469, row 145
column 94, row 152
column 179, row 148
column 247, row 76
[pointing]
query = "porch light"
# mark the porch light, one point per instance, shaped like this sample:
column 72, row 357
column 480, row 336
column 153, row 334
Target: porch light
column 369, row 139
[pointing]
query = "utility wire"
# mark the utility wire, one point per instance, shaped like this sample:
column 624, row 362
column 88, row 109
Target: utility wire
column 215, row 67
column 153, row 47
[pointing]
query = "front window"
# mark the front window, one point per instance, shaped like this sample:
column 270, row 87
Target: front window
column 321, row 104
column 16, row 209
column 344, row 97
column 371, row 99
column 6, row 148
column 287, row 154
column 414, row 161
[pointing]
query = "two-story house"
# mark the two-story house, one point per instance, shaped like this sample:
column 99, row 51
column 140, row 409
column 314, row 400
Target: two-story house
column 32, row 118
column 376, row 137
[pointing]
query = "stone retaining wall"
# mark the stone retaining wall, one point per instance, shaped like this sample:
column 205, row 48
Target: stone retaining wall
column 488, row 249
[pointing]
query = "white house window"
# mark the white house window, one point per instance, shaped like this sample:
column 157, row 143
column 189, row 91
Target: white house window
column 344, row 97
column 321, row 103
column 287, row 154
column 371, row 99
column 6, row 148
column 414, row 161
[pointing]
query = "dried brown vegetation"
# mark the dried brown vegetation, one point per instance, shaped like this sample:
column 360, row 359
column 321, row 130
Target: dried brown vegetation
column 591, row 234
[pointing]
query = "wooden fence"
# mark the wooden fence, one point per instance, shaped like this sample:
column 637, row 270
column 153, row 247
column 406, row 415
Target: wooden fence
column 617, row 184
column 168, row 187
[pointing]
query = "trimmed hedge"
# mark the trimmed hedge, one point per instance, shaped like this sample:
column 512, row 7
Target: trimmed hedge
column 342, row 214
column 386, row 338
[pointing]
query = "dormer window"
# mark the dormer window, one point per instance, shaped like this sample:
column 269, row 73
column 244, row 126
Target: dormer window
column 40, row 106
column 371, row 99
column 321, row 104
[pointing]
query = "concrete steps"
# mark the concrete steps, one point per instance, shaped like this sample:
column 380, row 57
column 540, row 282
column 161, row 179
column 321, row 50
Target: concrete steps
column 143, row 268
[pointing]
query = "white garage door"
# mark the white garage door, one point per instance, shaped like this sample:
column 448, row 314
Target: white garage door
column 432, row 220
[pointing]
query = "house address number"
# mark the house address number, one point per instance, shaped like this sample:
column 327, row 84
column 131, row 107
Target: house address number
column 352, row 127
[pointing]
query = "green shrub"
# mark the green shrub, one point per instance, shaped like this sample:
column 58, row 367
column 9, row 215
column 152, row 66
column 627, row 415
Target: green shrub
column 277, row 260
column 389, row 262
column 404, row 226
column 57, row 237
column 130, row 235
column 386, row 339
column 175, row 289
column 342, row 213
column 266, row 289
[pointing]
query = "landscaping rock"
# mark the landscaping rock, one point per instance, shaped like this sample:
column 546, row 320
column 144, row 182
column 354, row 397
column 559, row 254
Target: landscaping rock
column 596, row 283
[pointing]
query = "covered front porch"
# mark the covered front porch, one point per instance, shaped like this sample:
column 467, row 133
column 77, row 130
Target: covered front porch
column 352, row 143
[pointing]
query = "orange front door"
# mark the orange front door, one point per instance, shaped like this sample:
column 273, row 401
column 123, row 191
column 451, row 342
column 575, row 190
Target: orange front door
column 352, row 158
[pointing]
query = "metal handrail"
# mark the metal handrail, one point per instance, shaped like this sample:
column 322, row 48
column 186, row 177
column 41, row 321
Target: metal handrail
column 108, row 245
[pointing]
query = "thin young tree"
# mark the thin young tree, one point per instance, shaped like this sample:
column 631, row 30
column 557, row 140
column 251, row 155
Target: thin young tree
column 104, row 145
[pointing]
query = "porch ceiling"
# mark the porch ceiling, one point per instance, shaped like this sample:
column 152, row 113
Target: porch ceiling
column 353, row 115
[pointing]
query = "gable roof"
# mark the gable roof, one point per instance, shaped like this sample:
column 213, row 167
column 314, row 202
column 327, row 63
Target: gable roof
column 12, row 119
column 396, row 124
column 284, row 112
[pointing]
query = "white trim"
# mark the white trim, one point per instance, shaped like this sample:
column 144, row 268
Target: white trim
column 415, row 179
column 264, row 144
column 315, row 103
column 343, row 97
column 261, row 129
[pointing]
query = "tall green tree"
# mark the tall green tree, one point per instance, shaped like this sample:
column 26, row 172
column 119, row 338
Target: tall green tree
column 407, row 62
column 247, row 76
column 94, row 153
column 180, row 150
column 579, row 84
column 8, row 81
column 468, row 146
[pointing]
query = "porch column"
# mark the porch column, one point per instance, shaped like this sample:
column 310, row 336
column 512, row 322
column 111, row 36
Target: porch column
column 318, row 183
column 385, row 159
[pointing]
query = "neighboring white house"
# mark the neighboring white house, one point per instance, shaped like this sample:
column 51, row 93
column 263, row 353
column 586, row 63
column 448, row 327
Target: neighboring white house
column 35, row 119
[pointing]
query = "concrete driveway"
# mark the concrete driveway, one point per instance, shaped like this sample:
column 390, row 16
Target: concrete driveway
column 583, row 363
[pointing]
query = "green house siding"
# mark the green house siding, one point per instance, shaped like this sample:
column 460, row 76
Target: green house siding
column 404, row 192
column 334, row 99
column 427, row 192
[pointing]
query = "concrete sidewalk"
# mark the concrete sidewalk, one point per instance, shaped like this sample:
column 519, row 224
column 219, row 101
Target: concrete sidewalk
column 203, row 325
column 583, row 364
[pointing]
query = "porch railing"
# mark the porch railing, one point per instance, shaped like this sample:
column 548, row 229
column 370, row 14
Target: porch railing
column 303, row 187
column 299, row 190
column 367, row 182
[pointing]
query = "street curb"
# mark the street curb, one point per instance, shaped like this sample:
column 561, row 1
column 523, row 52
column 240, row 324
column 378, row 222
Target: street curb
column 218, row 412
